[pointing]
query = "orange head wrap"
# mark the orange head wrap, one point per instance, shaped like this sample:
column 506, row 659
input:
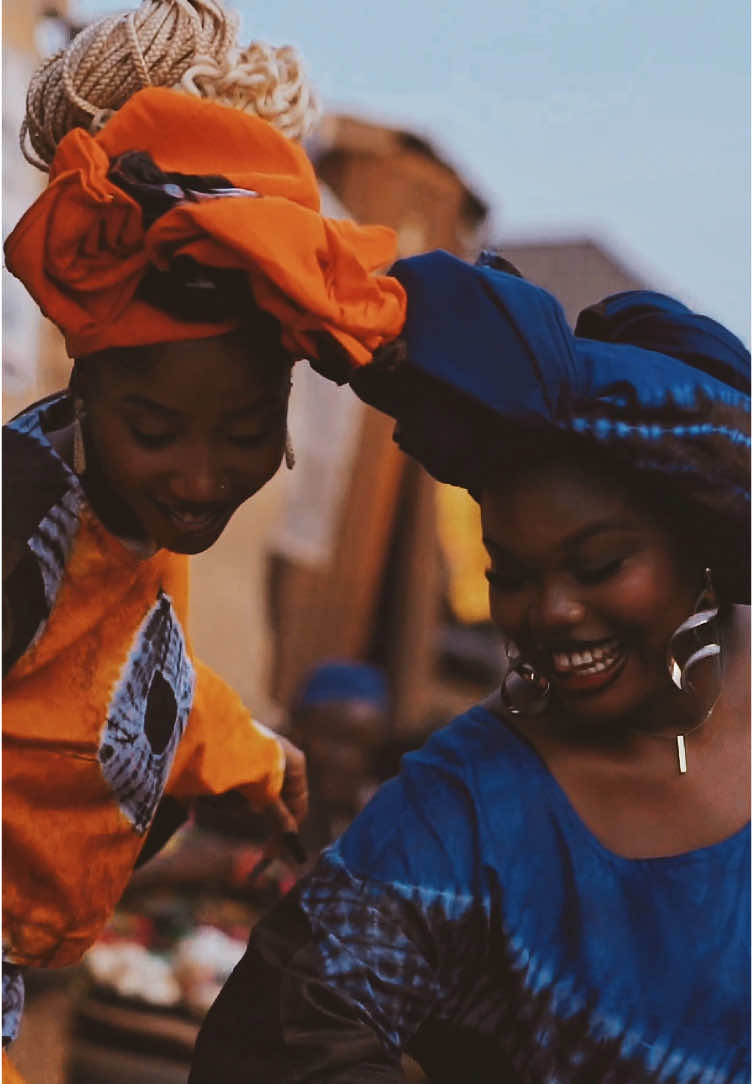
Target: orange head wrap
column 83, row 248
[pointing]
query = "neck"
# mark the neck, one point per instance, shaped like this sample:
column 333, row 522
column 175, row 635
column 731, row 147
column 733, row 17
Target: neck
column 113, row 512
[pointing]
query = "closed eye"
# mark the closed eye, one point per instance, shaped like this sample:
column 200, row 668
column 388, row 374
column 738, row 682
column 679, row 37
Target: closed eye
column 151, row 440
column 603, row 572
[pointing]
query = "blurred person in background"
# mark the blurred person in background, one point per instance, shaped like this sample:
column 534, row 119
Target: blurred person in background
column 339, row 720
column 180, row 249
column 557, row 886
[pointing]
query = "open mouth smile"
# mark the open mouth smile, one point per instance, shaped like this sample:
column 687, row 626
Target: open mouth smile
column 194, row 519
column 590, row 668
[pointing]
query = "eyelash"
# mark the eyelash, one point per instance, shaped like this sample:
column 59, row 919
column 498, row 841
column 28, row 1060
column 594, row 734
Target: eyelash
column 588, row 577
column 152, row 440
column 598, row 575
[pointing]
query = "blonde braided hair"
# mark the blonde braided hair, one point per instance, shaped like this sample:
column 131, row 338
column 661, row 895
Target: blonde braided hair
column 188, row 45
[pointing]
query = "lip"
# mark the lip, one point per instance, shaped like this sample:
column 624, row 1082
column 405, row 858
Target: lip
column 584, row 680
column 188, row 522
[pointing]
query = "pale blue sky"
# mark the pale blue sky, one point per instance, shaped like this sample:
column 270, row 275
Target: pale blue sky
column 622, row 120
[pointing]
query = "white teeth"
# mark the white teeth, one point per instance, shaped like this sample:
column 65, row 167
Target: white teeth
column 189, row 520
column 600, row 658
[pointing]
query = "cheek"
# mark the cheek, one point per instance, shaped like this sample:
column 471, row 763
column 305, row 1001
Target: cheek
column 119, row 459
column 652, row 599
column 253, row 469
column 509, row 611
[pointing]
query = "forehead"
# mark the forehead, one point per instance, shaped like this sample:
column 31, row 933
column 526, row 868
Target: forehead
column 223, row 373
column 546, row 504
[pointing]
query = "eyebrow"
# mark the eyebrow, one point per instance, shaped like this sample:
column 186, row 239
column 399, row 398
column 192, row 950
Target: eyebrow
column 149, row 404
column 263, row 405
column 601, row 527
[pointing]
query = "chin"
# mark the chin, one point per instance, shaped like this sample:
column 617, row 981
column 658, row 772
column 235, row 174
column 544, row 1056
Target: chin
column 189, row 547
column 619, row 706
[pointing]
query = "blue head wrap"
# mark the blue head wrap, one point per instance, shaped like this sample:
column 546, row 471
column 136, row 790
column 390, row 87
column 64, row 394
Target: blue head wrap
column 485, row 355
column 336, row 681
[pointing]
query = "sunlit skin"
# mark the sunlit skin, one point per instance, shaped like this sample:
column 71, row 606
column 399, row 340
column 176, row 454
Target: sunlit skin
column 177, row 444
column 577, row 562
column 178, row 436
column 575, row 565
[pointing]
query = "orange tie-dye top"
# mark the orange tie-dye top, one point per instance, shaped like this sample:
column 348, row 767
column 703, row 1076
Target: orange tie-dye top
column 105, row 708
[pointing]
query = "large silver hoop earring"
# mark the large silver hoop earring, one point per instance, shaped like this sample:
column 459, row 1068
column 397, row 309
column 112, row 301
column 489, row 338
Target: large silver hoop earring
column 701, row 632
column 79, row 447
column 524, row 690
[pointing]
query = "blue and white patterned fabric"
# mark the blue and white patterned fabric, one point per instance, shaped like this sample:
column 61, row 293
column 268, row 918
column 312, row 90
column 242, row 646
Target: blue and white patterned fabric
column 147, row 714
column 470, row 894
column 471, row 919
column 486, row 357
column 13, row 1000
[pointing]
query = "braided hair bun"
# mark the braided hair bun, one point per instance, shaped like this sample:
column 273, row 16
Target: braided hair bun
column 187, row 45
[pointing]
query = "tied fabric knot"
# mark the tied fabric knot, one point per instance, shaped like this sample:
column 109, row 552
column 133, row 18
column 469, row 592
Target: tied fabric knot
column 86, row 245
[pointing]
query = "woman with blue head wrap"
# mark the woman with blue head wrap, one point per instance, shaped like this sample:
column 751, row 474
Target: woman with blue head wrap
column 556, row 887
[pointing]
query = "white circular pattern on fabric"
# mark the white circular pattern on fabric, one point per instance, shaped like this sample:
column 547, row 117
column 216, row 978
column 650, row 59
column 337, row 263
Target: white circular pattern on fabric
column 147, row 714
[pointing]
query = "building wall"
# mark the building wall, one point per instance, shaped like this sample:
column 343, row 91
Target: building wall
column 578, row 273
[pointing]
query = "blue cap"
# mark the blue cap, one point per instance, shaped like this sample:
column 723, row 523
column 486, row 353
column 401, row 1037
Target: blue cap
column 340, row 680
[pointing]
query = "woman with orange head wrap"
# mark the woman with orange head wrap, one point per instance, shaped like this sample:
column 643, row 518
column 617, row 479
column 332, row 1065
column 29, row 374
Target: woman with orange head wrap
column 180, row 249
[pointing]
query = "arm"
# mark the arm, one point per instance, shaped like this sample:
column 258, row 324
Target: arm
column 224, row 748
column 369, row 949
column 282, row 1017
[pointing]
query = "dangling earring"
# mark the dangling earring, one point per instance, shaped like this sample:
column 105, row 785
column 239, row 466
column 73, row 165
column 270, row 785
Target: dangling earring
column 79, row 448
column 524, row 691
column 289, row 453
column 702, row 618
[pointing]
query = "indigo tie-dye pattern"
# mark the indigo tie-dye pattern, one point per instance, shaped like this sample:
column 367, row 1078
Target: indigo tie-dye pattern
column 147, row 714
column 566, row 953
column 470, row 918
column 485, row 355
column 13, row 1001
column 52, row 538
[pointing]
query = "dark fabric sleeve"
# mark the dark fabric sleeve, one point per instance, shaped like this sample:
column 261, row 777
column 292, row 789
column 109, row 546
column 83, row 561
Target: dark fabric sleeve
column 279, row 1019
column 33, row 481
column 383, row 938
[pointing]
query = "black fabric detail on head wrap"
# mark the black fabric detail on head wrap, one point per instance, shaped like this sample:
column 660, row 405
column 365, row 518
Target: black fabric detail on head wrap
column 155, row 191
column 332, row 360
column 187, row 290
column 192, row 292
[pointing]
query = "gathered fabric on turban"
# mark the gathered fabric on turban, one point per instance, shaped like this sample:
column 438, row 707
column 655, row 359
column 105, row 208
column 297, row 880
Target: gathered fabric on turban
column 486, row 357
column 86, row 247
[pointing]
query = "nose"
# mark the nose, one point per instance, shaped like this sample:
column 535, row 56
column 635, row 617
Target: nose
column 200, row 478
column 557, row 606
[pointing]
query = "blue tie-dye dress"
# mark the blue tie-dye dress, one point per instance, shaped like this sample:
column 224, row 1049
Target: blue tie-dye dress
column 470, row 918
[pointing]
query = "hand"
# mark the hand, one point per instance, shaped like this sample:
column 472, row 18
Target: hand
column 295, row 792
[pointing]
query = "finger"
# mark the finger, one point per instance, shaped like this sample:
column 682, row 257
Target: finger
column 281, row 816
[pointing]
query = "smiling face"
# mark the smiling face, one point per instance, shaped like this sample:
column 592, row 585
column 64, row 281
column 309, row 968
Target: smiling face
column 178, row 440
column 589, row 585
